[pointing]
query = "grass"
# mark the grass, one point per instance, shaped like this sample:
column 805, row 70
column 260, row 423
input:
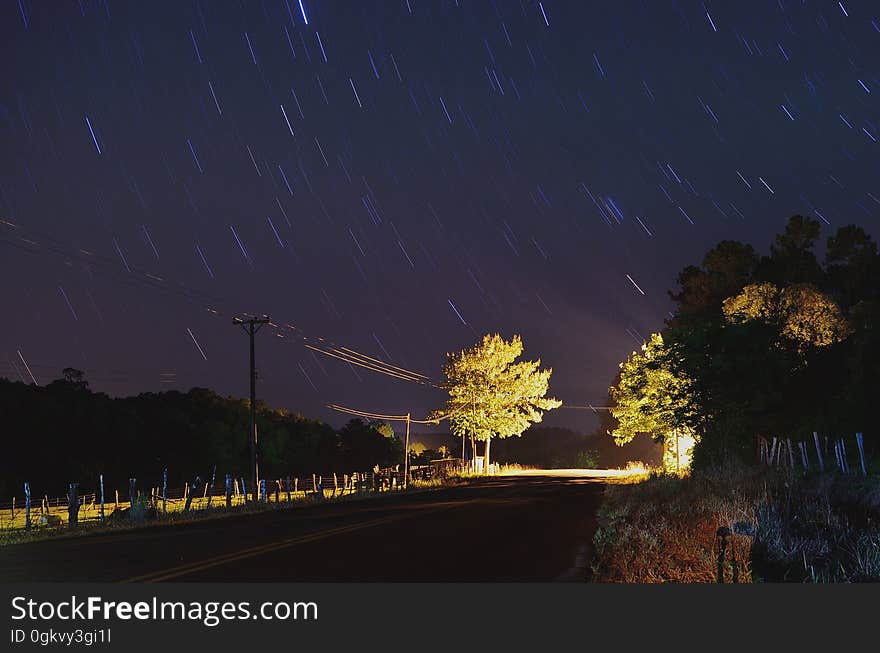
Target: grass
column 785, row 527
column 89, row 521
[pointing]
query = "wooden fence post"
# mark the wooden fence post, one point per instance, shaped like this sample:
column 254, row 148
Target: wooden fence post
column 132, row 496
column 296, row 485
column 228, row 491
column 314, row 483
column 278, row 490
column 72, row 505
column 861, row 447
column 27, row 506
column 818, row 452
column 189, row 495
column 244, row 490
column 335, row 484
column 213, row 476
column 288, row 488
column 101, row 485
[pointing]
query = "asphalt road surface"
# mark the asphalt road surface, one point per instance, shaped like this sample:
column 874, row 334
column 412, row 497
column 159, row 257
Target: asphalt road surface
column 533, row 527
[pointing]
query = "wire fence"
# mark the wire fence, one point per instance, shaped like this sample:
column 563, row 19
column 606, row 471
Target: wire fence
column 819, row 453
column 136, row 504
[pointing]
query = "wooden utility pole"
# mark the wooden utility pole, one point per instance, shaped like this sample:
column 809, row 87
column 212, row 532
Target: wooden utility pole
column 251, row 326
column 406, row 455
column 395, row 418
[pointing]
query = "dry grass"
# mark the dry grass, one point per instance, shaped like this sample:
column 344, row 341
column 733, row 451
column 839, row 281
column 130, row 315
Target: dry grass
column 89, row 523
column 784, row 528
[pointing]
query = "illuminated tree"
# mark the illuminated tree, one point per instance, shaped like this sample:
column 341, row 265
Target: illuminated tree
column 652, row 398
column 493, row 396
column 803, row 316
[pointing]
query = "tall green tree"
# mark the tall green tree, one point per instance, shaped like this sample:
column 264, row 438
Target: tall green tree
column 781, row 346
column 491, row 395
column 651, row 396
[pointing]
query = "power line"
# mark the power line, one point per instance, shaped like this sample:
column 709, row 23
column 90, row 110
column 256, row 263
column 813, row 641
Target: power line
column 589, row 407
column 393, row 418
column 112, row 269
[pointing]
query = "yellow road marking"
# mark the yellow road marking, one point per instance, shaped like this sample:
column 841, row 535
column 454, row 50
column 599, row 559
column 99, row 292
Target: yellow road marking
column 181, row 570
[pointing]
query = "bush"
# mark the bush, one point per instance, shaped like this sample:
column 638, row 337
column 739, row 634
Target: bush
column 783, row 527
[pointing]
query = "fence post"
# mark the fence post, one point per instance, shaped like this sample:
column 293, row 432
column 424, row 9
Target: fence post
column 27, row 506
column 101, row 485
column 244, row 490
column 296, row 485
column 861, row 448
column 164, row 490
column 819, row 452
column 803, row 449
column 72, row 505
column 263, row 490
column 278, row 491
column 314, row 483
column 790, row 454
column 228, row 491
column 335, row 484
column 189, row 495
column 213, row 475
column 288, row 488
column 132, row 496
column 843, row 455
column 722, row 533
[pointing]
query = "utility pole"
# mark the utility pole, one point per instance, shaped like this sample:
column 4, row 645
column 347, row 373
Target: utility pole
column 406, row 455
column 251, row 326
column 393, row 418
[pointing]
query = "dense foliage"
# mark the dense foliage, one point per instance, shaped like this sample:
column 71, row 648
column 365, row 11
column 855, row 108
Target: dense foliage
column 775, row 345
column 64, row 432
column 491, row 394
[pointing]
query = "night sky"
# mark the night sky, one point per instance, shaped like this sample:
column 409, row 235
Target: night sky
column 401, row 177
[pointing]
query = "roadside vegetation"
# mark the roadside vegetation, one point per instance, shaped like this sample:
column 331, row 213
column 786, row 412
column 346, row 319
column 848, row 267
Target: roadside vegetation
column 120, row 519
column 783, row 527
column 779, row 346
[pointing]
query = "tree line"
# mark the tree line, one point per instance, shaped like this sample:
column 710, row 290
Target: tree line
column 63, row 432
column 782, row 344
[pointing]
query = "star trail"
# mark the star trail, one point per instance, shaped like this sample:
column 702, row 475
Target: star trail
column 402, row 176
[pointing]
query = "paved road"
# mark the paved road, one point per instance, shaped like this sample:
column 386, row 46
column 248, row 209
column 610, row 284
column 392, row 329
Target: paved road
column 512, row 528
